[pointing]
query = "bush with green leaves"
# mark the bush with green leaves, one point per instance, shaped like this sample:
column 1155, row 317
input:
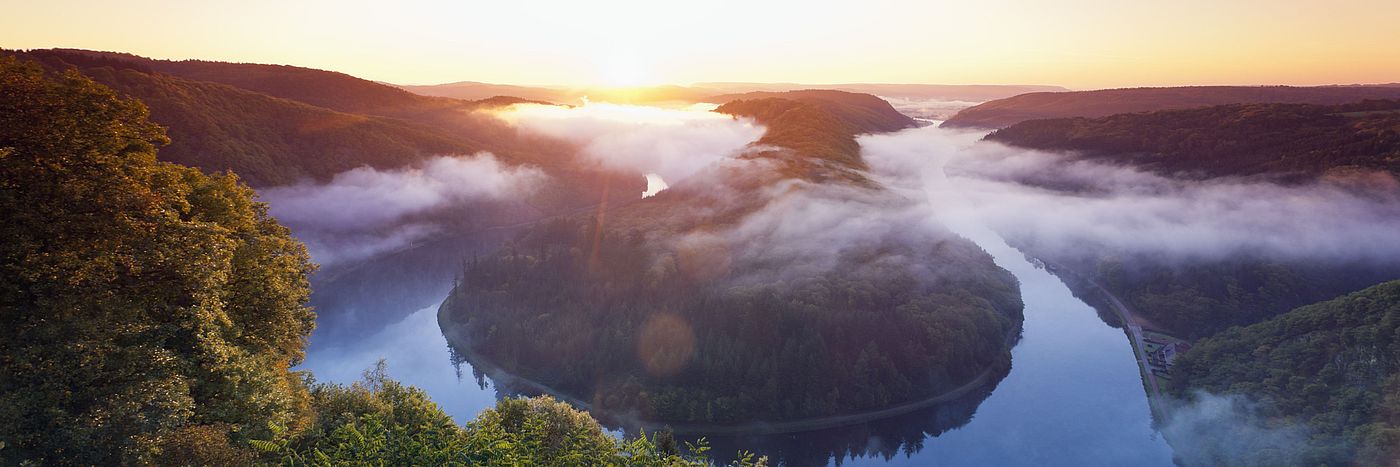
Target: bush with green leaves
column 379, row 421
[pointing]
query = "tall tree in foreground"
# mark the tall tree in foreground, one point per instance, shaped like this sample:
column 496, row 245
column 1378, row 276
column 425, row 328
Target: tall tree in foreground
column 148, row 308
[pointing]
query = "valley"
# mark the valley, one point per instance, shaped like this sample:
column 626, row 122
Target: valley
column 231, row 260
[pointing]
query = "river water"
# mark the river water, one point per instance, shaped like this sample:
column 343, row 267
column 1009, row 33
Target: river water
column 1073, row 396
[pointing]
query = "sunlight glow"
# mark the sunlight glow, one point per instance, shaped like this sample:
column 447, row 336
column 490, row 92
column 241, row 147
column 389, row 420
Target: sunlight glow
column 626, row 70
column 1074, row 43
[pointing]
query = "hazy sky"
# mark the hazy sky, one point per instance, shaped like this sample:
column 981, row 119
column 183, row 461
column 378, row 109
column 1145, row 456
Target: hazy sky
column 1079, row 44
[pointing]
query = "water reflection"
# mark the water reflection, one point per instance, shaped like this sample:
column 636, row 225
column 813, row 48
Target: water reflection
column 901, row 436
column 883, row 438
column 357, row 300
column 1072, row 397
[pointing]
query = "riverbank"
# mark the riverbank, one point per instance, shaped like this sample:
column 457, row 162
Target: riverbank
column 504, row 379
column 1132, row 327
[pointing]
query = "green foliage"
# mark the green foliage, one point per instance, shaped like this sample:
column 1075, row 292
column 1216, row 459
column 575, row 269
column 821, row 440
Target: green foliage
column 1287, row 140
column 680, row 335
column 378, row 421
column 147, row 306
column 1333, row 366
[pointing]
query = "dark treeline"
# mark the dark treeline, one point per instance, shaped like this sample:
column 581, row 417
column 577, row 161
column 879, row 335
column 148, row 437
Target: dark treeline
column 676, row 335
column 1002, row 113
column 1287, row 141
column 1333, row 367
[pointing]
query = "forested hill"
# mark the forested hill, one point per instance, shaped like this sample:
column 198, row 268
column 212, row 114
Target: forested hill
column 265, row 139
column 1333, row 367
column 272, row 141
column 1283, row 140
column 321, row 88
column 816, row 129
column 274, row 125
column 692, row 306
column 864, row 113
column 1002, row 113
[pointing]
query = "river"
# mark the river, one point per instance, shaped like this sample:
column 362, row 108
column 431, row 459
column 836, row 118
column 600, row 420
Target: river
column 1073, row 396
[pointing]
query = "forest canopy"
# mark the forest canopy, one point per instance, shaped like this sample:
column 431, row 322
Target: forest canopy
column 1002, row 113
column 1285, row 141
column 1332, row 366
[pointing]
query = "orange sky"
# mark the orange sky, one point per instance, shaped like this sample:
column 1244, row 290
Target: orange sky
column 1078, row 44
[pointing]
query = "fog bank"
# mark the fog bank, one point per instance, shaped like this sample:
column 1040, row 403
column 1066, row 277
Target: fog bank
column 364, row 211
column 1053, row 203
column 671, row 143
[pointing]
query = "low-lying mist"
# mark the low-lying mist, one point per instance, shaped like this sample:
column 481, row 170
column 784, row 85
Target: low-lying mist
column 671, row 143
column 1231, row 430
column 805, row 228
column 1054, row 203
column 364, row 211
column 928, row 110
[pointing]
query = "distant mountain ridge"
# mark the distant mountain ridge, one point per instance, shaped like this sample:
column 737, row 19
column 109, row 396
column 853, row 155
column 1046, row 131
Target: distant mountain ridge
column 707, row 92
column 472, row 90
column 1002, row 113
column 960, row 92
column 1286, row 141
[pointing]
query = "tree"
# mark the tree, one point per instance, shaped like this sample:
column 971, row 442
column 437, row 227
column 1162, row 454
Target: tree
column 145, row 304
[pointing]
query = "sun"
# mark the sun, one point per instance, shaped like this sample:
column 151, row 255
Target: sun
column 625, row 70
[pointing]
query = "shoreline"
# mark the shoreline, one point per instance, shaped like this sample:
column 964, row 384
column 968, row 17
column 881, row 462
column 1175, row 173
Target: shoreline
column 1132, row 329
column 499, row 378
